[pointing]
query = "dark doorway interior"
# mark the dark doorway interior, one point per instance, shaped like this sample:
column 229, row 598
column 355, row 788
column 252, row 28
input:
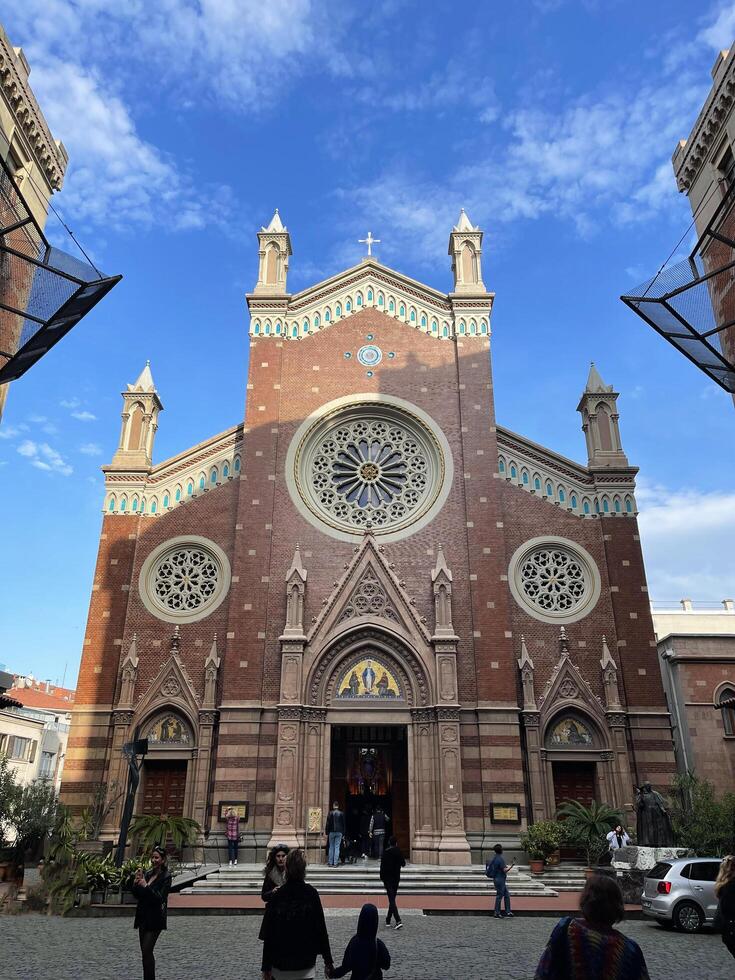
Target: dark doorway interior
column 574, row 781
column 369, row 770
column 164, row 785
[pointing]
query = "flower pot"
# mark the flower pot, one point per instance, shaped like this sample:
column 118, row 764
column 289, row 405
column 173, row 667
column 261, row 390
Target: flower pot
column 98, row 896
column 554, row 858
column 536, row 866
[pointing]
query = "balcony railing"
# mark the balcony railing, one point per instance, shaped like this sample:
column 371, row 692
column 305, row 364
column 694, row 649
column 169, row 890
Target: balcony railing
column 692, row 303
column 44, row 292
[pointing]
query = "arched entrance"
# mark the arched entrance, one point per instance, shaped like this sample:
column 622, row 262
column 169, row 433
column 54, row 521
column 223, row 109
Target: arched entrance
column 368, row 733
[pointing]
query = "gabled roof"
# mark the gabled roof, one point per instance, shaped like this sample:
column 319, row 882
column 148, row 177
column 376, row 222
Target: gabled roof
column 31, row 697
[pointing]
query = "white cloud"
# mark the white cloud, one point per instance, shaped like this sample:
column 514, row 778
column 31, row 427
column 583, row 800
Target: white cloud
column 90, row 449
column 688, row 539
column 84, row 416
column 70, row 403
column 9, row 431
column 44, row 457
column 116, row 178
column 720, row 33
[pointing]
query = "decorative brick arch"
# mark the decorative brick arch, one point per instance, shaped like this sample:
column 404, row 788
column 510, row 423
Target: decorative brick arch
column 402, row 660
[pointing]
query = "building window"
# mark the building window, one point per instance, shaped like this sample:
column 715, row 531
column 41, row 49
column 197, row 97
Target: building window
column 554, row 580
column 165, row 500
column 19, row 749
column 727, row 707
column 184, row 579
column 48, row 765
column 201, row 482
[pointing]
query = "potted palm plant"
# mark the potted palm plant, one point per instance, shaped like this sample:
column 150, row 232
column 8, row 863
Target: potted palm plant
column 539, row 841
column 151, row 829
column 588, row 826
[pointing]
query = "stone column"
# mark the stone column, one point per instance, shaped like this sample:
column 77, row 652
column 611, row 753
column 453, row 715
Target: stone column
column 423, row 783
column 454, row 848
column 122, row 720
column 286, row 816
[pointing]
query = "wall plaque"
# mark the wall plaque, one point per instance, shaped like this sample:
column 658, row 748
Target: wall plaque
column 314, row 820
column 505, row 812
column 239, row 807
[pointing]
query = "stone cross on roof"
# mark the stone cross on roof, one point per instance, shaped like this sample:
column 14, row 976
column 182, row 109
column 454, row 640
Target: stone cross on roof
column 369, row 241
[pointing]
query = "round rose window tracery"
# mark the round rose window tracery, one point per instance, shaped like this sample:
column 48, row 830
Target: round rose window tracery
column 184, row 579
column 554, row 580
column 369, row 467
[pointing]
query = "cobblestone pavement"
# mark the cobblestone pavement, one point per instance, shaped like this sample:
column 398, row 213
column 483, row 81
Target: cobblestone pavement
column 227, row 948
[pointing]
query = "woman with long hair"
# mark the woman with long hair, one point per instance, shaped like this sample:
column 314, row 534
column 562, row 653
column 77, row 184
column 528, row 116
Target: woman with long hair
column 294, row 932
column 725, row 892
column 151, row 889
column 274, row 871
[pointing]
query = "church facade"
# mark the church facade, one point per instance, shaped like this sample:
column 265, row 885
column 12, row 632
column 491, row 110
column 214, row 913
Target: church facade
column 369, row 591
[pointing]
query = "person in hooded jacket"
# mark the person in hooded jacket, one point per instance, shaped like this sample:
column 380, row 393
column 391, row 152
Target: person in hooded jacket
column 366, row 956
column 293, row 930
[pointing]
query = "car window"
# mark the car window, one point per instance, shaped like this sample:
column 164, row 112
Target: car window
column 659, row 870
column 686, row 871
column 705, row 870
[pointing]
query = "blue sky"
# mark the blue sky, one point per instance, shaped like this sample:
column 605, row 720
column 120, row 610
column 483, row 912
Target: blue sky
column 551, row 121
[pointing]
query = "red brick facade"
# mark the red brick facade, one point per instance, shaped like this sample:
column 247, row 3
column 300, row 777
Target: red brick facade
column 277, row 759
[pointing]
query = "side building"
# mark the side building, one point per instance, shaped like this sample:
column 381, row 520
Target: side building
column 696, row 648
column 34, row 731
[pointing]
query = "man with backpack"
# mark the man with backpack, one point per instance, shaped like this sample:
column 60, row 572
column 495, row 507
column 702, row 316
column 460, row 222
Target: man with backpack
column 498, row 870
column 334, row 830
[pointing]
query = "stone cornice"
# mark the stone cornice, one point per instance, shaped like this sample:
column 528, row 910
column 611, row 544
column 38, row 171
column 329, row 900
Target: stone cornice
column 50, row 155
column 512, row 441
column 692, row 153
column 361, row 271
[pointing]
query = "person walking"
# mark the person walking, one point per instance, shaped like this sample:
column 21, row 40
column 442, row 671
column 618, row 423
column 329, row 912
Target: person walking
column 274, row 871
column 293, row 930
column 151, row 889
column 498, row 870
column 725, row 892
column 588, row 948
column 334, row 830
column 390, row 874
column 365, row 818
column 378, row 825
column 618, row 838
column 233, row 835
column 366, row 956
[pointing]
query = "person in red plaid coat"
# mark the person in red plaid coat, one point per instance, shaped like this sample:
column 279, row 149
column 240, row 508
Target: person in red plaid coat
column 233, row 834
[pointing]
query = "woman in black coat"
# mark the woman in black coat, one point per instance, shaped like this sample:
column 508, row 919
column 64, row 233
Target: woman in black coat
column 294, row 932
column 274, row 872
column 151, row 889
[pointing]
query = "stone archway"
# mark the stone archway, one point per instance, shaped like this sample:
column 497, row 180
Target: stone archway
column 304, row 777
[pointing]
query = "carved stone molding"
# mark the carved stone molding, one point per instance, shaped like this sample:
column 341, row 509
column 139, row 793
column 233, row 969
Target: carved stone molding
column 122, row 717
column 419, row 715
column 444, row 713
column 607, row 756
column 314, row 714
column 208, row 717
column 289, row 712
column 616, row 719
column 531, row 719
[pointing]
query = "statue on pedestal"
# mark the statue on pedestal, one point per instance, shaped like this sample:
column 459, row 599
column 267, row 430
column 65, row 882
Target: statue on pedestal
column 654, row 823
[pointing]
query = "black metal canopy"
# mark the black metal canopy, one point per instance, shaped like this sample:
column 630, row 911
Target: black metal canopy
column 692, row 302
column 44, row 292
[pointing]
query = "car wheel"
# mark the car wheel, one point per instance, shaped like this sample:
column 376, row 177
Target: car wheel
column 688, row 917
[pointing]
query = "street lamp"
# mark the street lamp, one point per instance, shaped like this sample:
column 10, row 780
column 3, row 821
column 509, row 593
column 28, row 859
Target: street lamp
column 131, row 751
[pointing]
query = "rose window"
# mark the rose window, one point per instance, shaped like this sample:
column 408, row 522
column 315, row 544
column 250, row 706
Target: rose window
column 369, row 467
column 185, row 580
column 554, row 579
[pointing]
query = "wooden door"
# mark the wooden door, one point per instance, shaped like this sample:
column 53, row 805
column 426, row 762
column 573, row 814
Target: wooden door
column 574, row 781
column 164, row 787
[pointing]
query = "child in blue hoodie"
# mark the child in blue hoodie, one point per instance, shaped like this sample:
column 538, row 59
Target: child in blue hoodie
column 366, row 955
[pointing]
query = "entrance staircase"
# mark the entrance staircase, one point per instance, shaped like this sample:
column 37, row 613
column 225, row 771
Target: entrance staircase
column 418, row 879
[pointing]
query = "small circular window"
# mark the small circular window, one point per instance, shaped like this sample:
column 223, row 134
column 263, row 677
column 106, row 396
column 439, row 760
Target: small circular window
column 184, row 579
column 554, row 580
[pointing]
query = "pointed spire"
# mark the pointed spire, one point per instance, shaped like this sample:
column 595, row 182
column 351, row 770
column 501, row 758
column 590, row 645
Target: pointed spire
column 464, row 223
column 595, row 382
column 297, row 567
column 133, row 651
column 441, row 567
column 213, row 658
column 607, row 660
column 563, row 642
column 275, row 224
column 145, row 380
column 175, row 640
column 525, row 658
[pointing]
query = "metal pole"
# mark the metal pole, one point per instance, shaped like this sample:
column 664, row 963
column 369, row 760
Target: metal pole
column 131, row 750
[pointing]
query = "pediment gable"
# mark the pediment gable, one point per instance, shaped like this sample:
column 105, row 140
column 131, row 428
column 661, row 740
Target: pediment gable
column 171, row 687
column 567, row 688
column 368, row 592
column 369, row 285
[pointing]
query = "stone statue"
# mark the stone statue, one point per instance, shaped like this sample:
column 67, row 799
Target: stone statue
column 654, row 823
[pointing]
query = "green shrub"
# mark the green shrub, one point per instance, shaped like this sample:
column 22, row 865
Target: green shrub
column 588, row 826
column 541, row 839
column 699, row 819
